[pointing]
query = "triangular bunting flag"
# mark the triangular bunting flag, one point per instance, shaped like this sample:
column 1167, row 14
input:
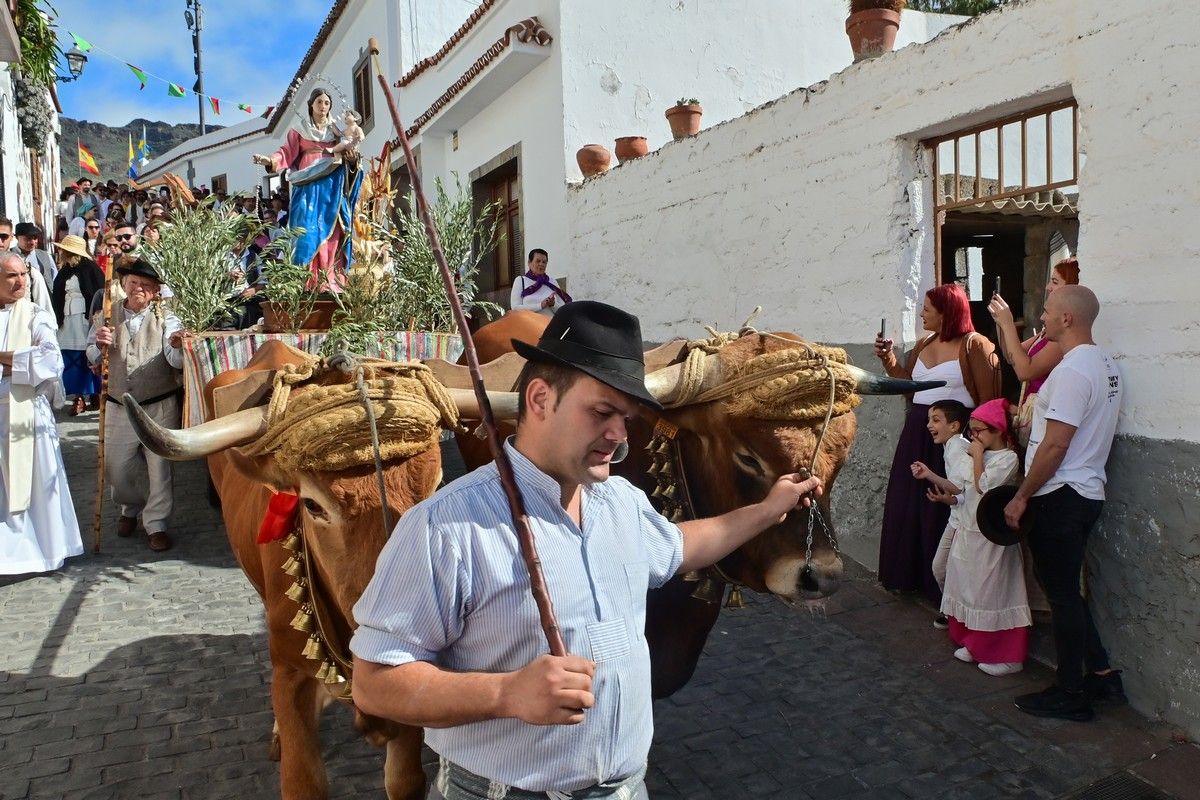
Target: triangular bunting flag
column 216, row 105
column 81, row 43
column 270, row 109
column 141, row 76
column 246, row 108
column 175, row 90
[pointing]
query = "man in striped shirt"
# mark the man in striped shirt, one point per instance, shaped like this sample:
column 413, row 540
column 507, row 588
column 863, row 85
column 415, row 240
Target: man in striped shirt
column 448, row 633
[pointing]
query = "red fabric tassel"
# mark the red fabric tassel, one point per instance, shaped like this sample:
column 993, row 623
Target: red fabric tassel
column 280, row 519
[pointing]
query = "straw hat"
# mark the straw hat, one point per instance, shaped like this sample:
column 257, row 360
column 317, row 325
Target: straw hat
column 75, row 245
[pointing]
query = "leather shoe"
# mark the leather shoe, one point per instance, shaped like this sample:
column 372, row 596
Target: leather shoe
column 126, row 526
column 159, row 541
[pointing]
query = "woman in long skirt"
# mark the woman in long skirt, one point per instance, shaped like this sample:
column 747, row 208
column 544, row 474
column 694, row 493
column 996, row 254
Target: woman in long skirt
column 77, row 282
column 967, row 363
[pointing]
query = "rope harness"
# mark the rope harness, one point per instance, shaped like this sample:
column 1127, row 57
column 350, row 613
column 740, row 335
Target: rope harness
column 797, row 383
column 390, row 410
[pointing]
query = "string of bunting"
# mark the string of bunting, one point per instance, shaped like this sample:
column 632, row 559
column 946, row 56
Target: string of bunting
column 173, row 89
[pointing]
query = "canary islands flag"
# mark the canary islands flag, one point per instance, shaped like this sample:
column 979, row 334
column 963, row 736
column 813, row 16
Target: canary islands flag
column 132, row 159
column 87, row 161
column 143, row 149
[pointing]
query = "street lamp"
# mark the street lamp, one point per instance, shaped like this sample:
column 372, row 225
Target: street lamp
column 194, row 17
column 76, row 61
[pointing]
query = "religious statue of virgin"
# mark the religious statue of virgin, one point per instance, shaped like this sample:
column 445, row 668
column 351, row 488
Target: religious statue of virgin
column 324, row 190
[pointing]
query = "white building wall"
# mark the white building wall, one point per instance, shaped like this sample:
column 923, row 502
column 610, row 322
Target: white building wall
column 529, row 115
column 818, row 208
column 622, row 70
column 820, row 202
column 18, row 177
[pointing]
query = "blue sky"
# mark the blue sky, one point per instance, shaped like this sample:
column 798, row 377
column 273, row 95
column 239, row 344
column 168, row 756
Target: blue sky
column 251, row 48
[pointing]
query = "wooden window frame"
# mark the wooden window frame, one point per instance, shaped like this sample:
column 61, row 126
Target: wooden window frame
column 361, row 78
column 944, row 202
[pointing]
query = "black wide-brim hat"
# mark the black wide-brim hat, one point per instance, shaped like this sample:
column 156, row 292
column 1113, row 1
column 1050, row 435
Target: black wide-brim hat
column 128, row 265
column 598, row 340
column 990, row 516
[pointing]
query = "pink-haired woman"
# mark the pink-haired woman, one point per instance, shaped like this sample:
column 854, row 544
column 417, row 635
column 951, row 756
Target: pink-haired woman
column 952, row 352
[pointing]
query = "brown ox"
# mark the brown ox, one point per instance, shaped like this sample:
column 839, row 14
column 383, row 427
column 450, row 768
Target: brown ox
column 341, row 514
column 729, row 461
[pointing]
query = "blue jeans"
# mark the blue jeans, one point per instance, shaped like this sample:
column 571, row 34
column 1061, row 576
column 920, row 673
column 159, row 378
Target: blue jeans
column 455, row 783
column 1062, row 521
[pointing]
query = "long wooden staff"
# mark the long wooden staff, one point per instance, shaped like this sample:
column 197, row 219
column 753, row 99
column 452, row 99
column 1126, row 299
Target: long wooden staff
column 105, row 314
column 537, row 580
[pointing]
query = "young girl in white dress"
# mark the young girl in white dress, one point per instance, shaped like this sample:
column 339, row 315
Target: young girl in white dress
column 984, row 597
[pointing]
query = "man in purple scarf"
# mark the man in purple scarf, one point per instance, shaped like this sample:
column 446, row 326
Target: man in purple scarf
column 535, row 290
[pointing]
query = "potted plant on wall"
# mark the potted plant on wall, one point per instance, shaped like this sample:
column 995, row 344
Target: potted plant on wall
column 684, row 117
column 872, row 27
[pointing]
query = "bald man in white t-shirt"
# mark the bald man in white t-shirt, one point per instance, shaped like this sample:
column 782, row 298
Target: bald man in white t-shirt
column 1075, row 419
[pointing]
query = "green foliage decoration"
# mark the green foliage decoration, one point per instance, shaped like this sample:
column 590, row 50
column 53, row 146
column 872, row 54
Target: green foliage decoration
column 967, row 8
column 686, row 101
column 287, row 281
column 39, row 42
column 412, row 296
column 33, row 111
column 194, row 257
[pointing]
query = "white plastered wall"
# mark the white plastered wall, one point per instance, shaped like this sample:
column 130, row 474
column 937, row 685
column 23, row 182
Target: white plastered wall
column 622, row 70
column 818, row 206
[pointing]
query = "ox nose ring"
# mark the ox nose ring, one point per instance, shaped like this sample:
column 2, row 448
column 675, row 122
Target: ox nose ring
column 620, row 453
column 808, row 579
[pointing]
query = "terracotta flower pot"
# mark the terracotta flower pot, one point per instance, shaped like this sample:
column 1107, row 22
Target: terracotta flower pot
column 593, row 159
column 872, row 32
column 685, row 120
column 276, row 320
column 630, row 147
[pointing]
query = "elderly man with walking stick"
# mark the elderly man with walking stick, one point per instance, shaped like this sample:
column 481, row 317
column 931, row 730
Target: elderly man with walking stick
column 38, row 528
column 144, row 359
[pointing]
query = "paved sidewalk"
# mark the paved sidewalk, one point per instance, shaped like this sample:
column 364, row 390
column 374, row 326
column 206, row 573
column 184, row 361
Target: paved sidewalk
column 131, row 674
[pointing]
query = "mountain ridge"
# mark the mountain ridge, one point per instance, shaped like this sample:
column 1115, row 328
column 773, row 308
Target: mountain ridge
column 110, row 145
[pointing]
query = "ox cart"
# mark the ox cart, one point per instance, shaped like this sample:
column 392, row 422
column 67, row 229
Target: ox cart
column 210, row 353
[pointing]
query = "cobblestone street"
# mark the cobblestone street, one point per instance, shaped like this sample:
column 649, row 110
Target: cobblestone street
column 130, row 674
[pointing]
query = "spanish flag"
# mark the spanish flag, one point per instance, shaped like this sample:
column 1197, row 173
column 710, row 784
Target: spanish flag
column 86, row 159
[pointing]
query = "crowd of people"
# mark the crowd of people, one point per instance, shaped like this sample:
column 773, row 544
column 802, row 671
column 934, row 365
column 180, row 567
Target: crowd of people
column 57, row 286
column 962, row 441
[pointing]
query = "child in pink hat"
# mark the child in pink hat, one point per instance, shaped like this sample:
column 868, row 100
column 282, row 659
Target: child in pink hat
column 984, row 597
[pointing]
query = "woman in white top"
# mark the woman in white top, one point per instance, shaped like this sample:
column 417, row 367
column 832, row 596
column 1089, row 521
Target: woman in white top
column 966, row 361
column 535, row 290
column 78, row 280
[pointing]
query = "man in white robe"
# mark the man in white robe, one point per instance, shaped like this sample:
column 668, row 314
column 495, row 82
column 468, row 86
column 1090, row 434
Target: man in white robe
column 38, row 528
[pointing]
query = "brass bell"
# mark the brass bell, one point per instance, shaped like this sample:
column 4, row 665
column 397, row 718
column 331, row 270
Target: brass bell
column 334, row 675
column 292, row 542
column 297, row 591
column 323, row 670
column 735, row 598
column 709, row 590
column 663, row 448
column 293, row 567
column 669, row 492
column 303, row 620
column 676, row 515
column 658, row 492
column 313, row 649
column 691, row 577
column 668, row 471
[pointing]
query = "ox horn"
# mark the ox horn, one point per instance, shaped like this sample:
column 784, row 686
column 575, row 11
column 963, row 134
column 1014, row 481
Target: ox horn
column 504, row 404
column 873, row 383
column 202, row 440
column 664, row 384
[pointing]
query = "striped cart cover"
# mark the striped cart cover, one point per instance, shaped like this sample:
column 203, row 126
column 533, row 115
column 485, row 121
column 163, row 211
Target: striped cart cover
column 207, row 354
